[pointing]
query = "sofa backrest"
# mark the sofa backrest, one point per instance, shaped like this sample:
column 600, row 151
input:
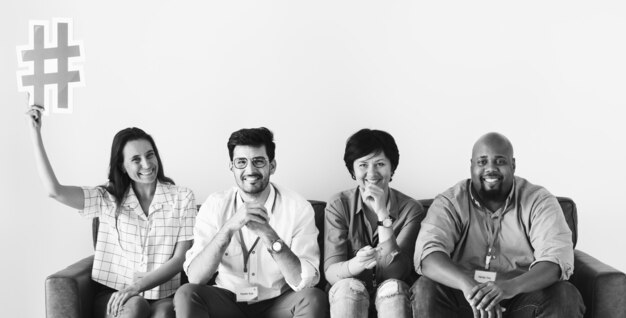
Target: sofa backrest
column 567, row 205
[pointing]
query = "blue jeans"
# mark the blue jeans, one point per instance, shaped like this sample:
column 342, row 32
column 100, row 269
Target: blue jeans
column 561, row 299
column 349, row 298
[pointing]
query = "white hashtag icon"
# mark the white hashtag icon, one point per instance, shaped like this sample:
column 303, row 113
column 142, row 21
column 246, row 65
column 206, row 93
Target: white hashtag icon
column 52, row 70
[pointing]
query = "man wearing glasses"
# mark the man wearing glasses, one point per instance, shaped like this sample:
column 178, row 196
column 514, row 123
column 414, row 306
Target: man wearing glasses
column 258, row 239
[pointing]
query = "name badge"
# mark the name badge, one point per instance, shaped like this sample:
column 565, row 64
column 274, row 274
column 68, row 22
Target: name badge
column 247, row 294
column 484, row 276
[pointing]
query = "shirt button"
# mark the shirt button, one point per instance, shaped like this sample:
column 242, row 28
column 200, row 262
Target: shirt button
column 253, row 252
column 226, row 253
column 252, row 274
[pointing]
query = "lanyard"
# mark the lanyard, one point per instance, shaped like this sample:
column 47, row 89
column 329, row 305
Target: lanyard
column 492, row 237
column 246, row 252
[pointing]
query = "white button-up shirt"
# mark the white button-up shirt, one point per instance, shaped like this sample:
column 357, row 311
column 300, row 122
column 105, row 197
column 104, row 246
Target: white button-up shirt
column 133, row 242
column 293, row 219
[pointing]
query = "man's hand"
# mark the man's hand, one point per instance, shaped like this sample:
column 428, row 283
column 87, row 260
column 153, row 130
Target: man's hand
column 247, row 214
column 495, row 312
column 375, row 197
column 485, row 298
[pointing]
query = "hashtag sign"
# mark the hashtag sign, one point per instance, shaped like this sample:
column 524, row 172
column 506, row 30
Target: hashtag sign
column 41, row 83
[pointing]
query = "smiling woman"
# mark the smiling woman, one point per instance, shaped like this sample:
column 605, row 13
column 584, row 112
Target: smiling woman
column 141, row 207
column 370, row 233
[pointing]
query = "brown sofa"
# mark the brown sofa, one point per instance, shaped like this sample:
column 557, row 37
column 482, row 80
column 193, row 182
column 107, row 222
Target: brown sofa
column 70, row 292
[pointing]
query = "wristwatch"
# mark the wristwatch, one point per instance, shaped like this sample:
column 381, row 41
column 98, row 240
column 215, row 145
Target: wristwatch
column 386, row 222
column 277, row 246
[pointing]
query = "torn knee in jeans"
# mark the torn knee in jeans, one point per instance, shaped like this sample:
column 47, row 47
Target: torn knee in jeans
column 349, row 287
column 391, row 288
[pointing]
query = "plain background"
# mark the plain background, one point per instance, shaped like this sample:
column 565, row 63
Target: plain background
column 550, row 75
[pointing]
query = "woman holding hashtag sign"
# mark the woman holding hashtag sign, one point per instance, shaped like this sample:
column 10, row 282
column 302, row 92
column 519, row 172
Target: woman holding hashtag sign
column 146, row 224
column 370, row 234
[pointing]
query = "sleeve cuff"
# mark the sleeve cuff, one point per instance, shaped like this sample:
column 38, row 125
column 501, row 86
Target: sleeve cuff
column 189, row 256
column 309, row 276
column 387, row 252
column 566, row 269
column 425, row 253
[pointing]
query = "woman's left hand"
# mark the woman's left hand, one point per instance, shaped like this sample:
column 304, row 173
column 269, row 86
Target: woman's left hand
column 119, row 298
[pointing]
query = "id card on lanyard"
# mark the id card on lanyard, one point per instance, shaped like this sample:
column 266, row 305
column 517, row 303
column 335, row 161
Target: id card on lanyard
column 251, row 293
column 492, row 236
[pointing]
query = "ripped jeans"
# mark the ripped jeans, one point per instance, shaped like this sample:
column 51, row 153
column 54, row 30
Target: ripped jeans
column 349, row 298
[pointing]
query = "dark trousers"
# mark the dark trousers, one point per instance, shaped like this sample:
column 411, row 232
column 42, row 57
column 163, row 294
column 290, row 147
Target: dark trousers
column 433, row 300
column 193, row 300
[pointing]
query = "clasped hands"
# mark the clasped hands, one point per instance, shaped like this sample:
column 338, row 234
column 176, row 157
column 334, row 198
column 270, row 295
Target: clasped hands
column 253, row 216
column 484, row 298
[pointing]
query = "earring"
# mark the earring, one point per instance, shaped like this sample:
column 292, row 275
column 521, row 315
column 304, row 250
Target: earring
column 353, row 177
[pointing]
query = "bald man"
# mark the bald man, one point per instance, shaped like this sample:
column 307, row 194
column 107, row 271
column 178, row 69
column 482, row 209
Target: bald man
column 495, row 244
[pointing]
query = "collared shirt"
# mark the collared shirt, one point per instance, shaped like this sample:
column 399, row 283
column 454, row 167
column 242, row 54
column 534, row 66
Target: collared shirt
column 134, row 242
column 533, row 229
column 348, row 229
column 293, row 219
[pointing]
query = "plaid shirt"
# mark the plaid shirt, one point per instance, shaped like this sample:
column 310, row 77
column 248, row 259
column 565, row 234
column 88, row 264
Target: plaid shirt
column 134, row 242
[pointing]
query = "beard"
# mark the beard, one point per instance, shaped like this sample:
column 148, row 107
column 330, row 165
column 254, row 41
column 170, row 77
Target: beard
column 491, row 194
column 258, row 187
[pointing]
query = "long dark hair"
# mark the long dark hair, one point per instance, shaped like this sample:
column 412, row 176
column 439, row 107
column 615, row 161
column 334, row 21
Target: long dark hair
column 119, row 181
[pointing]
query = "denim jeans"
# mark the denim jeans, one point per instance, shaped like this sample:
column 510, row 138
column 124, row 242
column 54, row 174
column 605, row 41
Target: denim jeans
column 433, row 300
column 349, row 298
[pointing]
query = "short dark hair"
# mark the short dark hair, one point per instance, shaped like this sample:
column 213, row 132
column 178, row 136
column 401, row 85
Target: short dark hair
column 255, row 137
column 367, row 141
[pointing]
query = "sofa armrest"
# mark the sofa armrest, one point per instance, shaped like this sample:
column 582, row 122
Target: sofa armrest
column 602, row 287
column 70, row 292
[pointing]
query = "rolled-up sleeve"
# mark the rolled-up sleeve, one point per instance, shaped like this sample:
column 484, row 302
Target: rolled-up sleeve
column 304, row 246
column 205, row 228
column 396, row 255
column 439, row 231
column 335, row 234
column 551, row 237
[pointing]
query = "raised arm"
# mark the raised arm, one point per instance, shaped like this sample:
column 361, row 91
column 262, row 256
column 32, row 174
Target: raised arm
column 69, row 195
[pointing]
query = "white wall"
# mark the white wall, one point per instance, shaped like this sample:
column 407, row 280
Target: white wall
column 549, row 75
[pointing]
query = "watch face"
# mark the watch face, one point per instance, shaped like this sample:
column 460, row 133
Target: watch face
column 387, row 222
column 277, row 246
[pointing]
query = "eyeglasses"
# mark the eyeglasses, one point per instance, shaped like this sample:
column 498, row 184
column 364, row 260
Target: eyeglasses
column 241, row 163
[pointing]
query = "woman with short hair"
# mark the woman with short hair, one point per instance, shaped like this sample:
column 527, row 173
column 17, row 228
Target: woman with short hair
column 370, row 234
